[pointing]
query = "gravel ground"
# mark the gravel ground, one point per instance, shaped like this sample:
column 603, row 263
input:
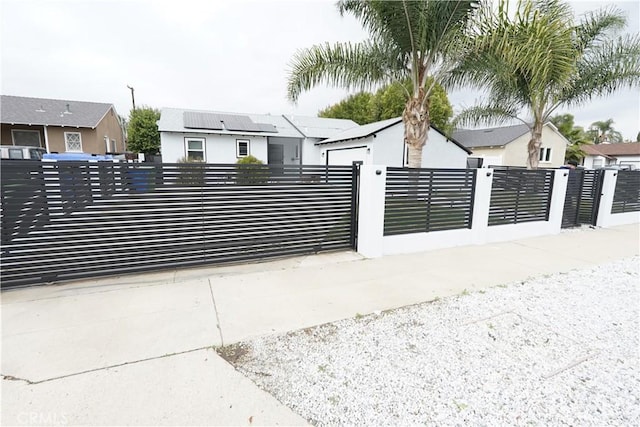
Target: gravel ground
column 558, row 349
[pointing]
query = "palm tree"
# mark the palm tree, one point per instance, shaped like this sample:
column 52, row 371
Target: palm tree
column 407, row 40
column 537, row 60
column 603, row 131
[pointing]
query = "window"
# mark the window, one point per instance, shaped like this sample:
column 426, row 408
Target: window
column 15, row 153
column 30, row 138
column 194, row 148
column 36, row 153
column 242, row 147
column 73, row 141
column 545, row 155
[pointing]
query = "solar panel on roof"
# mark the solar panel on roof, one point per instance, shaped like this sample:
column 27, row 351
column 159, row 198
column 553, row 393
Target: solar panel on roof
column 267, row 127
column 193, row 120
column 239, row 123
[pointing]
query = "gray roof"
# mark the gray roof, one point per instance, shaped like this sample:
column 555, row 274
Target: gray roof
column 362, row 131
column 490, row 137
column 320, row 127
column 51, row 112
column 172, row 120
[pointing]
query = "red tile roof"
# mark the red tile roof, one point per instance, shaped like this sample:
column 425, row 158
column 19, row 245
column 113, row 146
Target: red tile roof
column 607, row 150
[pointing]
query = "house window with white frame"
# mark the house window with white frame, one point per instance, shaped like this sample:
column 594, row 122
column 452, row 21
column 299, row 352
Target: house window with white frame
column 26, row 137
column 242, row 147
column 545, row 155
column 73, row 141
column 194, row 149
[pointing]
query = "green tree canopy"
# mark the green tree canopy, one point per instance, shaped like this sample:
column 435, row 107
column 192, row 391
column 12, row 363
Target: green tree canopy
column 407, row 40
column 143, row 135
column 389, row 102
column 575, row 134
column 358, row 107
column 538, row 59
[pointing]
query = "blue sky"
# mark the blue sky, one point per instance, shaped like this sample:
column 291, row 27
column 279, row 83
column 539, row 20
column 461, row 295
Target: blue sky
column 213, row 55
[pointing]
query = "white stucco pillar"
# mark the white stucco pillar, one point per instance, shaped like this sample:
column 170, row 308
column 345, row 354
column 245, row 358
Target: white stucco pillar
column 481, row 203
column 605, row 217
column 371, row 210
column 558, row 194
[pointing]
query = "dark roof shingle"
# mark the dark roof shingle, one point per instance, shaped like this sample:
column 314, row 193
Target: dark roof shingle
column 490, row 137
column 51, row 112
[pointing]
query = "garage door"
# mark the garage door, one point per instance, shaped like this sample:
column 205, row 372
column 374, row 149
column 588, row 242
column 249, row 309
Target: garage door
column 346, row 156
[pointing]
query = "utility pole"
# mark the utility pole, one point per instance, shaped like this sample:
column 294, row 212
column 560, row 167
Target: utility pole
column 133, row 99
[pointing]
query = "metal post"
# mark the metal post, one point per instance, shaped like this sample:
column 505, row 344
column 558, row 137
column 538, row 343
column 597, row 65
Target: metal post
column 133, row 99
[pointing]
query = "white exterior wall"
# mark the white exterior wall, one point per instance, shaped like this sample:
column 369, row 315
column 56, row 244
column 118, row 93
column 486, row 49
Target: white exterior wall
column 442, row 153
column 311, row 152
column 219, row 148
column 387, row 148
column 589, row 160
column 342, row 147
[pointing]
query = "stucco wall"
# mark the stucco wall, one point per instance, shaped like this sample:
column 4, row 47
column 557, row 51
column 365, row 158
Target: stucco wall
column 219, row 148
column 7, row 139
column 515, row 153
column 387, row 148
column 492, row 156
column 88, row 138
column 591, row 162
column 92, row 139
column 442, row 153
column 311, row 152
column 110, row 128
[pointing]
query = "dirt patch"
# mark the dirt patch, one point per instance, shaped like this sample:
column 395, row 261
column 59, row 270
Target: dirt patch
column 234, row 353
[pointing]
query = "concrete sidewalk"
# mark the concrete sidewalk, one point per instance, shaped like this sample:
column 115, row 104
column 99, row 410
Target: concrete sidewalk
column 137, row 349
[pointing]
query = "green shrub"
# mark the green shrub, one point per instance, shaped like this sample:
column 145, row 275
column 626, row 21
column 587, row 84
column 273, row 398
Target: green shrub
column 251, row 171
column 191, row 172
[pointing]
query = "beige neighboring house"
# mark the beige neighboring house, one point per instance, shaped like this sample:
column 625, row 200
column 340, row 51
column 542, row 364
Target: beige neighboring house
column 60, row 125
column 605, row 154
column 507, row 145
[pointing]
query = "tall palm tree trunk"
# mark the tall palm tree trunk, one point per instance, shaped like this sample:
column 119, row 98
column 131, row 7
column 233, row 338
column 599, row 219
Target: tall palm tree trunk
column 533, row 148
column 416, row 126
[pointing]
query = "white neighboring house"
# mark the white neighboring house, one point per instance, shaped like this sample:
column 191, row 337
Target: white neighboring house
column 216, row 137
column 316, row 129
column 382, row 143
column 605, row 154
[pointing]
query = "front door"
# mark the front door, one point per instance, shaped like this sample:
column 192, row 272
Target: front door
column 275, row 158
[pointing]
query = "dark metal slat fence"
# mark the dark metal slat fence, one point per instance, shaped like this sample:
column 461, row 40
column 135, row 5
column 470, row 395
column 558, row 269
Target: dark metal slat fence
column 424, row 200
column 626, row 197
column 520, row 195
column 78, row 219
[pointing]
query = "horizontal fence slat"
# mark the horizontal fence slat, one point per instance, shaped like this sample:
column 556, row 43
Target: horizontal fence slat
column 83, row 219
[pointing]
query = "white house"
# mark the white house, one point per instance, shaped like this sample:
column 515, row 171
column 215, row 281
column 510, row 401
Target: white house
column 507, row 145
column 216, row 137
column 382, row 143
column 612, row 154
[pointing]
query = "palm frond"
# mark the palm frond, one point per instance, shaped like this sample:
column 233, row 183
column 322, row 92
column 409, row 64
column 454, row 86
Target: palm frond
column 613, row 65
column 346, row 65
column 485, row 114
column 596, row 26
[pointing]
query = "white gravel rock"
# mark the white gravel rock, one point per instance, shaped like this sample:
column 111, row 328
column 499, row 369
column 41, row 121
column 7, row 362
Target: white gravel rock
column 558, row 349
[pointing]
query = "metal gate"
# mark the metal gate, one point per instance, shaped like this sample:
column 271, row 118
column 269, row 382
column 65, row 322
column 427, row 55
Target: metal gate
column 68, row 220
column 582, row 199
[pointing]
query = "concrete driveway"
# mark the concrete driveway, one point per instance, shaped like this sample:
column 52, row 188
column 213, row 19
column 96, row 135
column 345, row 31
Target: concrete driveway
column 138, row 349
